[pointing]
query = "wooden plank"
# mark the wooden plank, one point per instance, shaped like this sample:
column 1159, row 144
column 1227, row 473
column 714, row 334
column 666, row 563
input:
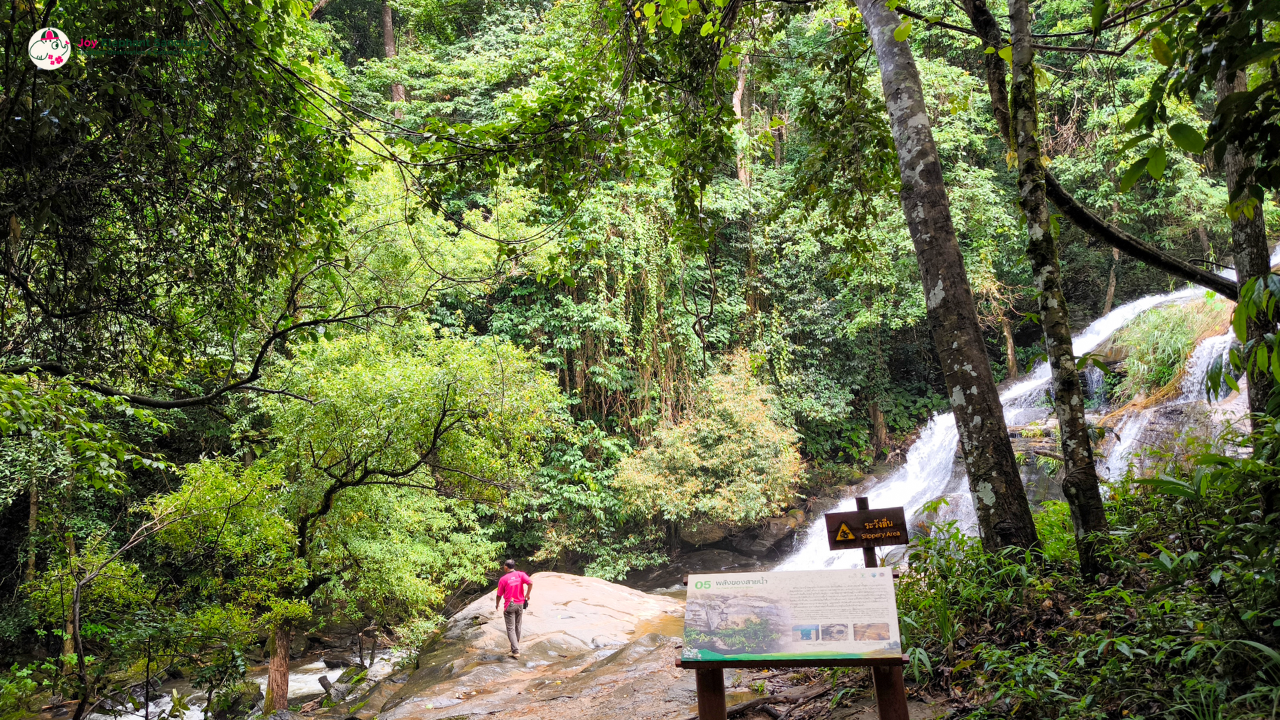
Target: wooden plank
column 897, row 661
column 866, row 528
column 711, row 703
column 891, row 693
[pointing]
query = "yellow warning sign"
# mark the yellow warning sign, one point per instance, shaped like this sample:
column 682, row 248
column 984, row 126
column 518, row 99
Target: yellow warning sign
column 845, row 533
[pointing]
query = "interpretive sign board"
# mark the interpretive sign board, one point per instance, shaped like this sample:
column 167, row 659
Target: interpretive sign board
column 866, row 528
column 810, row 615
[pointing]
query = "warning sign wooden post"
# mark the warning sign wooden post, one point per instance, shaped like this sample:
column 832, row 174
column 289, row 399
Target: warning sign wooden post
column 866, row 529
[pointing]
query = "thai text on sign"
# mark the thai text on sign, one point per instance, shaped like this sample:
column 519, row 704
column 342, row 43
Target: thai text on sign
column 866, row 528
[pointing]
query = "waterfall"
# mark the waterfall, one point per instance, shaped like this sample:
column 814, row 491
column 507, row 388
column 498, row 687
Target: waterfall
column 930, row 469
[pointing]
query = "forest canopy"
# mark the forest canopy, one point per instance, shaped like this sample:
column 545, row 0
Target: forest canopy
column 314, row 319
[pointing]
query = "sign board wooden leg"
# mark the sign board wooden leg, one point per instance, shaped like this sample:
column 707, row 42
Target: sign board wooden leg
column 891, row 693
column 711, row 694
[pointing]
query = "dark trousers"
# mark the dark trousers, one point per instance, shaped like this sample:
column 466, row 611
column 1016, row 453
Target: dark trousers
column 513, row 615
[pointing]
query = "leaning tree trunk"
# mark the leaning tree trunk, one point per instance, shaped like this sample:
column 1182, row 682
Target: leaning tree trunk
column 277, row 697
column 1249, row 246
column 1004, row 517
column 988, row 30
column 389, row 49
column 1080, row 485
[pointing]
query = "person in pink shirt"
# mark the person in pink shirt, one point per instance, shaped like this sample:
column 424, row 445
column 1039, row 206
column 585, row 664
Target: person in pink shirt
column 511, row 589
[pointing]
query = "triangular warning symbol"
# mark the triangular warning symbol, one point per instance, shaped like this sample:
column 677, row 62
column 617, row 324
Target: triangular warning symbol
column 845, row 533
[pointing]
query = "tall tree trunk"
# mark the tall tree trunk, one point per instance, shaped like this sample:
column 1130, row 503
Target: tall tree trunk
column 879, row 433
column 1111, row 282
column 68, row 640
column 1010, row 350
column 1080, row 486
column 277, row 697
column 33, row 517
column 1204, row 242
column 389, row 48
column 739, row 109
column 777, row 135
column 1248, row 246
column 1004, row 518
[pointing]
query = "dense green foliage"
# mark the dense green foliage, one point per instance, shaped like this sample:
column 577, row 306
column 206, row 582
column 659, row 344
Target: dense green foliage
column 281, row 350
column 1185, row 626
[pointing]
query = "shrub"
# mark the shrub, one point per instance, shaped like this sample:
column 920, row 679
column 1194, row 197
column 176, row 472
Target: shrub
column 728, row 462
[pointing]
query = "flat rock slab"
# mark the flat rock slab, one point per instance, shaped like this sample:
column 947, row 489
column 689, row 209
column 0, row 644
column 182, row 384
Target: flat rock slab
column 586, row 643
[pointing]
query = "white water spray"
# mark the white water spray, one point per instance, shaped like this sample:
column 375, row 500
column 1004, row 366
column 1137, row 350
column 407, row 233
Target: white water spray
column 930, row 470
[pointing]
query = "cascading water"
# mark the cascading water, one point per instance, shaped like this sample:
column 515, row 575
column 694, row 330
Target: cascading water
column 930, row 471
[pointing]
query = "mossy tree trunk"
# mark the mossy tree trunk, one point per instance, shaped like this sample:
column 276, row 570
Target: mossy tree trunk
column 1248, row 247
column 1080, row 485
column 1004, row 518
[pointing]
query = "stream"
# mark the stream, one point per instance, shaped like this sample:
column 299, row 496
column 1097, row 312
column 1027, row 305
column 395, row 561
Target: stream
column 931, row 471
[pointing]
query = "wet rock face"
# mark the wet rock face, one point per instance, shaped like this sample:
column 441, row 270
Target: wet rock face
column 586, row 645
column 697, row 562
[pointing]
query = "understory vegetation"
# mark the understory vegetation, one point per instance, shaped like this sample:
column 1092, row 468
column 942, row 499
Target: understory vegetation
column 1185, row 624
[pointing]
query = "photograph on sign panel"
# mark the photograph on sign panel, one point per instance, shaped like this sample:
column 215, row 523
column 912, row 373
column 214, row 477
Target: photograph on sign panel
column 791, row 615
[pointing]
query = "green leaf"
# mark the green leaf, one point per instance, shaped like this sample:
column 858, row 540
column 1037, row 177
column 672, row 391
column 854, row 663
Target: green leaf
column 1006, row 53
column 677, row 25
column 1131, row 177
column 1159, row 160
column 989, row 50
column 1160, row 51
column 1238, row 321
column 650, row 9
column 1098, row 15
column 892, row 4
column 1134, row 142
column 1187, row 138
column 902, row 30
column 706, row 29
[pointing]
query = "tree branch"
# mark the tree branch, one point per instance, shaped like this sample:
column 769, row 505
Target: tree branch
column 1132, row 246
column 245, row 383
column 986, row 27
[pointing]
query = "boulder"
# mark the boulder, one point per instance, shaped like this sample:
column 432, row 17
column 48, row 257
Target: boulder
column 702, row 534
column 237, row 702
column 353, row 674
column 763, row 541
column 337, row 659
column 299, row 646
column 699, row 562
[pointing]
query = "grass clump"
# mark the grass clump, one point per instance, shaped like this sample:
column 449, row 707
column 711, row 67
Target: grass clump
column 1159, row 341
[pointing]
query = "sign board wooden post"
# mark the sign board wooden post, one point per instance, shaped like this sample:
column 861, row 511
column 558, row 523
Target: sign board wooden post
column 870, row 529
column 797, row 619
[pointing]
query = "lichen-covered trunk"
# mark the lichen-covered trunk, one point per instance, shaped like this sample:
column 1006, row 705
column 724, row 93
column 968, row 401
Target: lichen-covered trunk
column 33, row 520
column 1004, row 518
column 277, row 697
column 1248, row 246
column 1010, row 349
column 1111, row 281
column 1080, row 486
column 740, row 111
column 389, row 49
column 879, row 431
